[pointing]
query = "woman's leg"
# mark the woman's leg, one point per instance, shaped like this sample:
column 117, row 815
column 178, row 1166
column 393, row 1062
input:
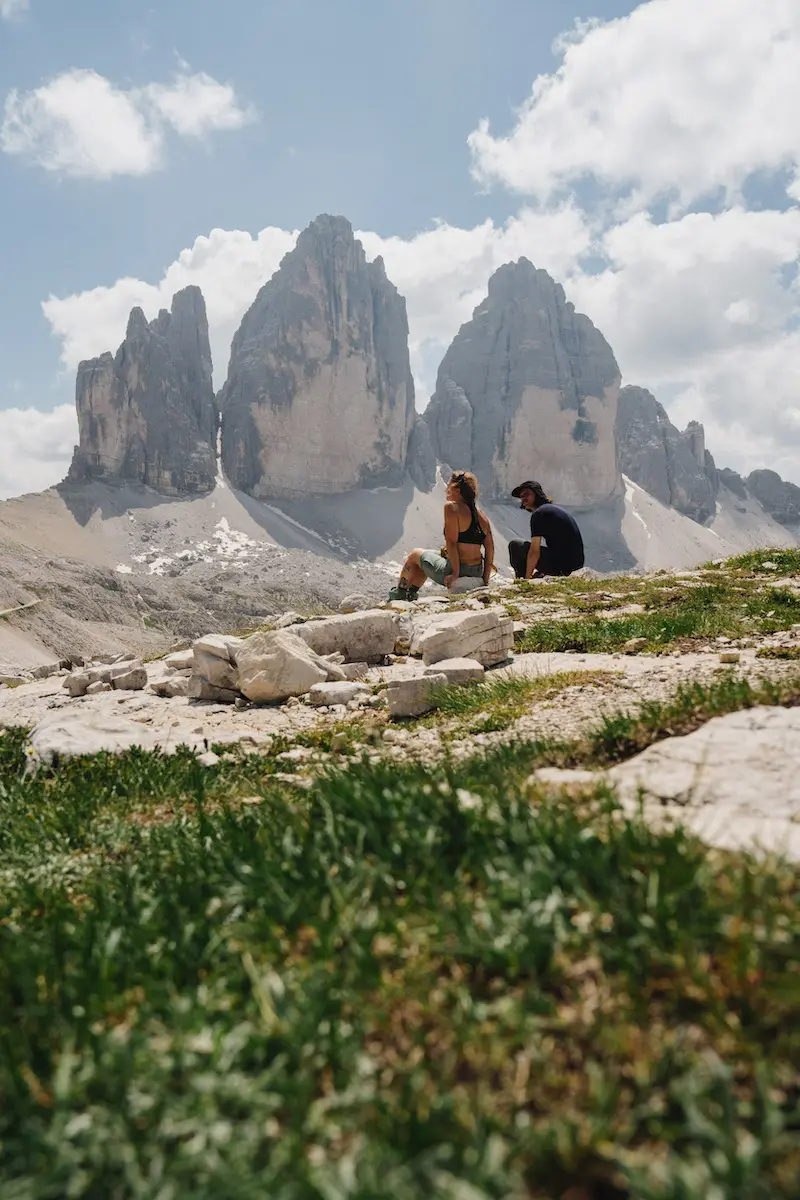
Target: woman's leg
column 412, row 574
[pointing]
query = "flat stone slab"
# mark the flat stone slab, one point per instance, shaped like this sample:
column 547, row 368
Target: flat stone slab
column 68, row 735
column 336, row 693
column 412, row 697
column 735, row 782
column 458, row 670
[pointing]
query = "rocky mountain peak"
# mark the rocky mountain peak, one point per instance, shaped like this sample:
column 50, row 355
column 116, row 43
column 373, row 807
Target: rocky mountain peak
column 529, row 388
column 319, row 395
column 147, row 415
column 671, row 465
column 780, row 498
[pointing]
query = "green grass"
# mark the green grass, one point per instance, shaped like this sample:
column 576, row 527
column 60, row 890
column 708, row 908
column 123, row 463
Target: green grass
column 407, row 982
column 621, row 735
column 497, row 703
column 786, row 652
column 676, row 615
column 787, row 561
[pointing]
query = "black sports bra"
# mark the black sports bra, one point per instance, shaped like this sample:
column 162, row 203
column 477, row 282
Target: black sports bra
column 474, row 534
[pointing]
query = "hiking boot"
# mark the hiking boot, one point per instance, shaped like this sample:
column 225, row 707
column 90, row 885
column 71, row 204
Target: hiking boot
column 404, row 593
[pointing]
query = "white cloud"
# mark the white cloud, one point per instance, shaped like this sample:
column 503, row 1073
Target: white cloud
column 677, row 99
column 229, row 267
column 12, row 8
column 80, row 124
column 674, row 101
column 35, row 448
column 442, row 272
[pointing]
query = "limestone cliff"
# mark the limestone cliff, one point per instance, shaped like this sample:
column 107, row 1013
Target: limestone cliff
column 147, row 415
column 319, row 396
column 528, row 389
column 780, row 498
column 671, row 465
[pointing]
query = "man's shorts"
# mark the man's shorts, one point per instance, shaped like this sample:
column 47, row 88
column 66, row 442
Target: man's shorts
column 437, row 568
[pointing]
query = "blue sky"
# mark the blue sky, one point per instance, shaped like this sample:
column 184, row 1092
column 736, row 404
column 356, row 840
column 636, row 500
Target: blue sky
column 374, row 110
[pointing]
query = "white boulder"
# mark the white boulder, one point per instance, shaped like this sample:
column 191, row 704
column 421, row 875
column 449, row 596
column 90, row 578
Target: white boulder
column 360, row 637
column 735, row 782
column 336, row 693
column 180, row 660
column 412, row 697
column 274, row 666
column 91, row 731
column 214, row 671
column 465, row 584
column 354, row 603
column 129, row 676
column 485, row 636
column 458, row 670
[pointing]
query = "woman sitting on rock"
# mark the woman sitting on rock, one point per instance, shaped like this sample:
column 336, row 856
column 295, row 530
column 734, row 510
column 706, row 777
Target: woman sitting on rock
column 468, row 550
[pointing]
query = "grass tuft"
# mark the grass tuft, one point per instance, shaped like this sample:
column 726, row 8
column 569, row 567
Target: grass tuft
column 409, row 980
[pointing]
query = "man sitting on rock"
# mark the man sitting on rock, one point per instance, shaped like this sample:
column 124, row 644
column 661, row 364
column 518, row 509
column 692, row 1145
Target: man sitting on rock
column 563, row 552
column 468, row 550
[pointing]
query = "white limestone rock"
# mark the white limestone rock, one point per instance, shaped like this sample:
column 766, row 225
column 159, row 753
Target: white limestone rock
column 458, row 671
column 214, row 660
column 335, row 693
column 735, row 782
column 129, row 676
column 180, row 660
column 360, row 637
column 94, row 730
column 354, row 603
column 486, row 636
column 274, row 666
column 413, row 697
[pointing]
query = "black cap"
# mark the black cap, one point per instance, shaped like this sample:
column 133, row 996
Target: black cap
column 529, row 485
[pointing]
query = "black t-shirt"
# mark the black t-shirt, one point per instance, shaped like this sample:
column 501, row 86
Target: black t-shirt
column 561, row 533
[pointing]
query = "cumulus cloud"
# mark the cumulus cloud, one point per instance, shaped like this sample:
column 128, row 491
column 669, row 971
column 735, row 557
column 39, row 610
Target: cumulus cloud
column 228, row 266
column 35, row 448
column 442, row 272
column 79, row 124
column 678, row 99
column 699, row 299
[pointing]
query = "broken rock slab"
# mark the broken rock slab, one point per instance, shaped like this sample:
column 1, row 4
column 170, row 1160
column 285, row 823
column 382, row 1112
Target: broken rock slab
column 486, row 636
column 735, row 782
column 276, row 665
column 354, row 603
column 458, row 671
column 129, row 676
column 73, row 733
column 360, row 637
column 180, row 660
column 214, row 660
column 336, row 693
column 200, row 688
column 465, row 584
column 413, row 697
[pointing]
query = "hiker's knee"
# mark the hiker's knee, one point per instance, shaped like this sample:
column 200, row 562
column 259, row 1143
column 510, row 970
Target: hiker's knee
column 412, row 558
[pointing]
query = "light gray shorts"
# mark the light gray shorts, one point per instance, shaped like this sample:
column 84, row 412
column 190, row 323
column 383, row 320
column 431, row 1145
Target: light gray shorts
column 437, row 568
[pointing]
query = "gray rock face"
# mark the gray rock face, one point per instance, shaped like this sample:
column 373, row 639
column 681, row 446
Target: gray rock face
column 780, row 498
column 147, row 415
column 528, row 389
column 674, row 467
column 421, row 460
column 733, row 482
column 319, row 395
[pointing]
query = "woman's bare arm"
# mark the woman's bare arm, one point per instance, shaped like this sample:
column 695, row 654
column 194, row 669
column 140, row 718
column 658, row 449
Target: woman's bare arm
column 488, row 547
